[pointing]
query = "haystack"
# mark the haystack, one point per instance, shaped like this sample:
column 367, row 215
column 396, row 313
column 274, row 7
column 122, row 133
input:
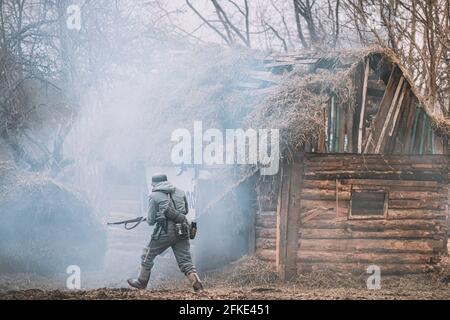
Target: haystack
column 44, row 225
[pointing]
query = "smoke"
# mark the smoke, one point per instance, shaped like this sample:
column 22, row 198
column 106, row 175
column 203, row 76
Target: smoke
column 121, row 132
column 124, row 132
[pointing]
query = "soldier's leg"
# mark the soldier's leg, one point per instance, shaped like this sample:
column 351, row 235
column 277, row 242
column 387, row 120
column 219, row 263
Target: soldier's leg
column 182, row 252
column 155, row 248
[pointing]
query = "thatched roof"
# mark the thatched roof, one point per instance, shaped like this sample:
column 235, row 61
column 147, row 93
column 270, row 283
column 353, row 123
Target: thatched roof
column 297, row 104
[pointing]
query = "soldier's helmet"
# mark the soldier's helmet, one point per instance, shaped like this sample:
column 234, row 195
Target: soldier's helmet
column 157, row 178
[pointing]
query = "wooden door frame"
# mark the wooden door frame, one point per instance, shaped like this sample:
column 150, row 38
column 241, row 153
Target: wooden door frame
column 288, row 218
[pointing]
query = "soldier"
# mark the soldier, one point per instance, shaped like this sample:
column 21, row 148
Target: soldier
column 168, row 208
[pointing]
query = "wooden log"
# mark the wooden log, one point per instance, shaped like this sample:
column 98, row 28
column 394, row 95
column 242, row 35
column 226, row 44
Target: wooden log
column 375, row 182
column 389, row 175
column 266, row 222
column 341, row 157
column 376, row 165
column 266, row 255
column 305, row 256
column 318, row 194
column 330, row 214
column 371, row 245
column 265, row 244
column 402, row 214
column 306, row 233
column 266, row 233
column 416, row 195
column 323, row 205
column 418, row 204
column 394, row 185
column 354, row 268
column 377, row 225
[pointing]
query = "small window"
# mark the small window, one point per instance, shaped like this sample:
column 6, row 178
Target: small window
column 368, row 204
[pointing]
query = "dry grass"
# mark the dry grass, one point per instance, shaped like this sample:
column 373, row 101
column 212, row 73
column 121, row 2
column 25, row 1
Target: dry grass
column 248, row 271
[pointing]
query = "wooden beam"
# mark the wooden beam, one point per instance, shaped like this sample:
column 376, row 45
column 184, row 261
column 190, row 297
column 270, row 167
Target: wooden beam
column 386, row 102
column 363, row 106
column 288, row 213
column 332, row 125
column 397, row 111
column 282, row 214
column 342, row 125
column 389, row 115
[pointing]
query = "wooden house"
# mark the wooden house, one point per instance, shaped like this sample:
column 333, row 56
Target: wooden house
column 364, row 174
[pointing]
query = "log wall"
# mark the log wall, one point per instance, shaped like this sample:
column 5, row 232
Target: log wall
column 266, row 221
column 405, row 241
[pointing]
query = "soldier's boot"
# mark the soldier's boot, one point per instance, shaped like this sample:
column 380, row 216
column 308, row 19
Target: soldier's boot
column 195, row 282
column 142, row 281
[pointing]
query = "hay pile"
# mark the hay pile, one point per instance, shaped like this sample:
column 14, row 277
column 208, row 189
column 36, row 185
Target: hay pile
column 247, row 271
column 45, row 226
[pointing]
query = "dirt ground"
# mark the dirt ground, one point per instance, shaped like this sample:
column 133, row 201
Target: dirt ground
column 247, row 280
column 286, row 292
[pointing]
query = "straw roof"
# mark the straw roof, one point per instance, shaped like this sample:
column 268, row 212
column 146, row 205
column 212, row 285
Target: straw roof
column 297, row 104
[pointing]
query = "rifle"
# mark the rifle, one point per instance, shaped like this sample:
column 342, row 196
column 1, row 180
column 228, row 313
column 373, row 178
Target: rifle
column 136, row 222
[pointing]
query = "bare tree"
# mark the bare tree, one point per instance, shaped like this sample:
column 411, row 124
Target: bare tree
column 419, row 32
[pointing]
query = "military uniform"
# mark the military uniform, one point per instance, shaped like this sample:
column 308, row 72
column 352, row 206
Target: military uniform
column 167, row 207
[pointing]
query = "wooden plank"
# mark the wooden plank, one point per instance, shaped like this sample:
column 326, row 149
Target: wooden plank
column 287, row 216
column 363, row 106
column 349, row 129
column 375, row 182
column 409, row 124
column 383, row 109
column 414, row 130
column 282, row 219
column 398, row 109
column 381, row 138
column 342, row 125
column 331, row 132
column 398, row 140
column 322, row 140
column 293, row 216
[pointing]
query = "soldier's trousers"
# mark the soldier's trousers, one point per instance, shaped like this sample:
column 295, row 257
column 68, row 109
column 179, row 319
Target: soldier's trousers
column 181, row 250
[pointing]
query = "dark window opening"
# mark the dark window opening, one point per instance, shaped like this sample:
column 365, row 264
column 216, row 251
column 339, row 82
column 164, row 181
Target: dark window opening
column 368, row 204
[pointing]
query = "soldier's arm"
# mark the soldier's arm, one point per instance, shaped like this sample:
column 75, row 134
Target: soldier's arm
column 151, row 218
column 186, row 204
